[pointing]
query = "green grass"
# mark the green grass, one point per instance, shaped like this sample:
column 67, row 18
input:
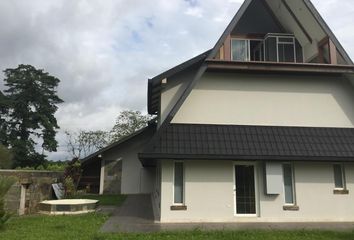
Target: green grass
column 105, row 200
column 86, row 227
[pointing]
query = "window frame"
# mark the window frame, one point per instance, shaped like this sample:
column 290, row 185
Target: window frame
column 255, row 168
column 248, row 40
column 292, row 183
column 344, row 187
column 183, row 184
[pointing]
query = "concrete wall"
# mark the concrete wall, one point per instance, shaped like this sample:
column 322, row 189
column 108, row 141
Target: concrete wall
column 30, row 189
column 274, row 100
column 209, row 194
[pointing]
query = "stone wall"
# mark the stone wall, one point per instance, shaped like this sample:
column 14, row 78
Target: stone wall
column 31, row 188
column 113, row 177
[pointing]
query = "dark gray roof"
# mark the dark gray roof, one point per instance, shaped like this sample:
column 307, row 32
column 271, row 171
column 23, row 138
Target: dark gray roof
column 189, row 141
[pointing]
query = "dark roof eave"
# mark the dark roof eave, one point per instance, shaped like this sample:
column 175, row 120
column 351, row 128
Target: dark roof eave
column 154, row 84
column 146, row 157
column 219, row 65
column 124, row 139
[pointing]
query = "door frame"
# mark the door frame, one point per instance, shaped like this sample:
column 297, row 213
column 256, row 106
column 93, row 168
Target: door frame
column 254, row 164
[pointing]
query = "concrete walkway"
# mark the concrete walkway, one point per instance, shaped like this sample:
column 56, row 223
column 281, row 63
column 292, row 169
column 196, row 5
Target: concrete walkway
column 136, row 216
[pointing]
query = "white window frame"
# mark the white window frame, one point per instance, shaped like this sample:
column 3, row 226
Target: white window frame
column 248, row 49
column 254, row 164
column 184, row 184
column 342, row 176
column 277, row 36
column 293, row 184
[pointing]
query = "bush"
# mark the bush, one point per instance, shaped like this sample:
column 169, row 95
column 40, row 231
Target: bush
column 5, row 185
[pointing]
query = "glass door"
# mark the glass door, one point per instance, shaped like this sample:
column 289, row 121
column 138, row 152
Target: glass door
column 245, row 190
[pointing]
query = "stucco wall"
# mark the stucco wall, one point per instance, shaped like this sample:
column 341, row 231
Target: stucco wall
column 209, row 194
column 134, row 177
column 173, row 90
column 274, row 100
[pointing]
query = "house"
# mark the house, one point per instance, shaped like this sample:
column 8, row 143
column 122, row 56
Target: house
column 259, row 128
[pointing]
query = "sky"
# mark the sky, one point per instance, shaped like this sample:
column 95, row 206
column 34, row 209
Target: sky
column 104, row 51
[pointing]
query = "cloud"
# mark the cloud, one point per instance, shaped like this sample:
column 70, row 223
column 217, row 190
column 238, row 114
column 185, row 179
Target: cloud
column 104, row 51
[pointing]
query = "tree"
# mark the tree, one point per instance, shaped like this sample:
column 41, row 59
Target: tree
column 127, row 123
column 30, row 102
column 5, row 158
column 82, row 143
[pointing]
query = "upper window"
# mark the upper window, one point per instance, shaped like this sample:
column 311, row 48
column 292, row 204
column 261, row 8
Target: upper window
column 247, row 50
column 339, row 177
column 273, row 48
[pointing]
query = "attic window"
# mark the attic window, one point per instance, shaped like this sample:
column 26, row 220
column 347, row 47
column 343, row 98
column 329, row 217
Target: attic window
column 247, row 50
column 275, row 47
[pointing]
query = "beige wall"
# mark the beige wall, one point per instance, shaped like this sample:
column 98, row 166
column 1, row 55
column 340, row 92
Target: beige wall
column 173, row 90
column 209, row 194
column 274, row 100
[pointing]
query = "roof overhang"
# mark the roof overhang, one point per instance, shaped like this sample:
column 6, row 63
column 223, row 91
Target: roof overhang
column 305, row 68
column 154, row 84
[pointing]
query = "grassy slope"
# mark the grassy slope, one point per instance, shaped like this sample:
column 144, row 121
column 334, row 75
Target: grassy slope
column 85, row 227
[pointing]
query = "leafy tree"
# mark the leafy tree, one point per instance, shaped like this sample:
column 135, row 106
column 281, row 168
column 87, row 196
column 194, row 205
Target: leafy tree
column 127, row 123
column 30, row 102
column 82, row 143
column 5, row 185
column 5, row 158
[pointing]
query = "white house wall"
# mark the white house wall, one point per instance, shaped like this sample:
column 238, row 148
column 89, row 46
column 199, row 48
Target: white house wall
column 209, row 194
column 271, row 100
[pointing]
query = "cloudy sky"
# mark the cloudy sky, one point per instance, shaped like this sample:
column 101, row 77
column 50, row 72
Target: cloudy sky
column 104, row 51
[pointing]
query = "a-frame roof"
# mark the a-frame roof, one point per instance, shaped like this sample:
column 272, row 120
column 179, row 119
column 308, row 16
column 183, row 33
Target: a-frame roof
column 236, row 19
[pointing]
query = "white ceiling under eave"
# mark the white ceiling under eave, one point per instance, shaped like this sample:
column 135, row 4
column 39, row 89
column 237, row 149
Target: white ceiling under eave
column 304, row 16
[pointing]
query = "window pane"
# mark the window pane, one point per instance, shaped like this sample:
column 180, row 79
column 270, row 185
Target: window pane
column 178, row 182
column 286, row 52
column 286, row 39
column 271, row 49
column 338, row 176
column 239, row 50
column 288, row 184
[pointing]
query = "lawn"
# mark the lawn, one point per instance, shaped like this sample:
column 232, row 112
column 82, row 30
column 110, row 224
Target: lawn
column 105, row 200
column 86, row 227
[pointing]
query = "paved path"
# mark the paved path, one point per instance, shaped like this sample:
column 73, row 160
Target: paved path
column 135, row 215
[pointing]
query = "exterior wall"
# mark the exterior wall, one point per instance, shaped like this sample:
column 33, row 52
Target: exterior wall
column 272, row 100
column 134, row 178
column 173, row 90
column 31, row 187
column 209, row 194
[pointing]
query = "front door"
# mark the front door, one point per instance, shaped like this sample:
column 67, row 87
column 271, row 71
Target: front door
column 245, row 190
